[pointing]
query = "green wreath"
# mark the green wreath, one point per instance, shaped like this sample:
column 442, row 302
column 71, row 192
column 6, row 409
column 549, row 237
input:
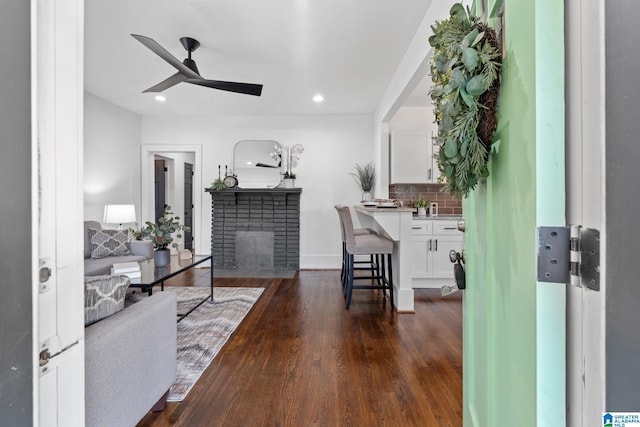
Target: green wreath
column 465, row 71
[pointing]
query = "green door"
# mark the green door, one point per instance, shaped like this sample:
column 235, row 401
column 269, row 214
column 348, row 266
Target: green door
column 514, row 327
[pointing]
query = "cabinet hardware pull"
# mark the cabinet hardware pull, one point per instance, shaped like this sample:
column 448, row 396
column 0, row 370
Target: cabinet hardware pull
column 450, row 228
column 416, row 228
column 430, row 242
column 436, row 245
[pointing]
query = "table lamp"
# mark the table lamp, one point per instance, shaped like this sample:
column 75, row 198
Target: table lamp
column 119, row 214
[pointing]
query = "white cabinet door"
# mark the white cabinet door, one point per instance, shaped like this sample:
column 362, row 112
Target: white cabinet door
column 420, row 256
column 411, row 159
column 431, row 241
column 442, row 245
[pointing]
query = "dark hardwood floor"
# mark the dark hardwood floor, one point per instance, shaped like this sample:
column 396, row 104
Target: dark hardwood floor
column 300, row 359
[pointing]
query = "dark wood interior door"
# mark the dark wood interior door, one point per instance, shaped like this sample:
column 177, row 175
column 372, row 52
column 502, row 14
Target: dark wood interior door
column 159, row 188
column 188, row 205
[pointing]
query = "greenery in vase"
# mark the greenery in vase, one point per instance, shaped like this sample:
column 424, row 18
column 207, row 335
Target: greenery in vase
column 421, row 203
column 139, row 234
column 465, row 71
column 365, row 176
column 162, row 232
column 218, row 184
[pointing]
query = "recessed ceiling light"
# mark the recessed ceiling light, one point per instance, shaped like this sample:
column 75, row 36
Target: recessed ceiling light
column 318, row 98
column 160, row 98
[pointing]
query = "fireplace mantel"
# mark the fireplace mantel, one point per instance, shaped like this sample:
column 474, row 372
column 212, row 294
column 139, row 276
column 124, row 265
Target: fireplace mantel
column 269, row 216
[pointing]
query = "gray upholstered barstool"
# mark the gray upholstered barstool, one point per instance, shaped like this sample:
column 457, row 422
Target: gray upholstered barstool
column 370, row 264
column 366, row 244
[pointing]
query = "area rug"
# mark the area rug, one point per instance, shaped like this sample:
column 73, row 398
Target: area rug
column 203, row 332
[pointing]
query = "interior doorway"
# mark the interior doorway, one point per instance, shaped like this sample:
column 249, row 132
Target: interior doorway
column 159, row 180
column 188, row 205
column 179, row 161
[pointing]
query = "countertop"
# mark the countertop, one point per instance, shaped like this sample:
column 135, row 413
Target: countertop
column 439, row 217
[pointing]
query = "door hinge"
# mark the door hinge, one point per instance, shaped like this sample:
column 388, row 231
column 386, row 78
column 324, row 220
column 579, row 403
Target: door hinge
column 569, row 255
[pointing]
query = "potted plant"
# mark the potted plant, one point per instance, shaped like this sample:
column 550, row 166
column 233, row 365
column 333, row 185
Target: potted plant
column 365, row 176
column 162, row 233
column 288, row 157
column 421, row 204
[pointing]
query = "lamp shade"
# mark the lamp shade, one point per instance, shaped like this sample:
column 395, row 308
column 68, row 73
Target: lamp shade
column 119, row 214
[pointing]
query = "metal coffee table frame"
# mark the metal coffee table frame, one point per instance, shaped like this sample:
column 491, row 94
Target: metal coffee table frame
column 152, row 276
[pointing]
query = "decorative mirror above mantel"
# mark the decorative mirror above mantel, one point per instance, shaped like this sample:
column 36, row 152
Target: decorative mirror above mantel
column 254, row 165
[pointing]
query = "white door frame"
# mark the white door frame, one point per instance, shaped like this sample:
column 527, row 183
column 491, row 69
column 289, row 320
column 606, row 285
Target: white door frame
column 585, row 98
column 147, row 153
column 57, row 55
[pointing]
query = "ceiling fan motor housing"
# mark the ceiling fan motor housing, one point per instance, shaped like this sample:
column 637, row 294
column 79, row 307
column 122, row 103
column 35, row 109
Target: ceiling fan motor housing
column 189, row 44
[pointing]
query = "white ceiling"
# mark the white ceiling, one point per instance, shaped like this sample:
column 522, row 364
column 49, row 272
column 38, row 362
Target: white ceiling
column 347, row 50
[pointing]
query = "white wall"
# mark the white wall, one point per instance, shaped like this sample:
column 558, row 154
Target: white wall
column 332, row 145
column 111, row 157
column 418, row 120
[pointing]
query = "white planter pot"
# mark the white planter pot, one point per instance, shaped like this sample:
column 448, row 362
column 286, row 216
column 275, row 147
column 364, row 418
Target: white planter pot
column 288, row 183
column 422, row 211
column 142, row 247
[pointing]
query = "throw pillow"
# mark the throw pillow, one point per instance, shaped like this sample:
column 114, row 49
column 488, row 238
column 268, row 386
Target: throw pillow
column 108, row 243
column 103, row 296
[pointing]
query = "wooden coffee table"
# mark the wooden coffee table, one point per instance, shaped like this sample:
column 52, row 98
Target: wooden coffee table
column 152, row 276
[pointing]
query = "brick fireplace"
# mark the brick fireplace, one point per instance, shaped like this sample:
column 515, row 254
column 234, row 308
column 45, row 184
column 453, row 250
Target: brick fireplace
column 254, row 229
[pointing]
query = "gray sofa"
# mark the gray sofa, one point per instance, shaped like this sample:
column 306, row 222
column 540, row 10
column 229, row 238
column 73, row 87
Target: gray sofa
column 130, row 361
column 95, row 267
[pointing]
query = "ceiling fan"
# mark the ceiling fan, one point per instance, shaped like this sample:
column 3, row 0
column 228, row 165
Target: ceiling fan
column 188, row 70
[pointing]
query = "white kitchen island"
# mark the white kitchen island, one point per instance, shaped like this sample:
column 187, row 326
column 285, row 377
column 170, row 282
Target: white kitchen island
column 394, row 223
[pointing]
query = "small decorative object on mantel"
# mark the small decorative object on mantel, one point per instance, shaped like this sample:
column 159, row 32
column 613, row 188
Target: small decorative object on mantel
column 465, row 70
column 365, row 176
column 422, row 205
column 288, row 157
column 218, row 184
column 161, row 234
column 230, row 179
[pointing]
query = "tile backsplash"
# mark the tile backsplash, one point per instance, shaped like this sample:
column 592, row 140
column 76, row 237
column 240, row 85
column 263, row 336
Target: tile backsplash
column 408, row 193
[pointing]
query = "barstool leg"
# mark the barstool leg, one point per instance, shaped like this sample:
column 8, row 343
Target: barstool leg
column 349, row 289
column 343, row 271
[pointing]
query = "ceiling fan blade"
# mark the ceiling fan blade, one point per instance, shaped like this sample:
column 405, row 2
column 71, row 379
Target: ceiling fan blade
column 246, row 88
column 167, row 83
column 164, row 54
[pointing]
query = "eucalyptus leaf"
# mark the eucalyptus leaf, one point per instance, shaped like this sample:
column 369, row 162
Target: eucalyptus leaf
column 456, row 8
column 470, row 58
column 450, row 148
column 448, row 88
column 468, row 99
column 448, row 171
column 463, row 147
column 455, row 160
column 437, row 90
column 475, row 86
column 451, row 63
column 470, row 38
column 478, row 38
column 446, row 124
column 457, row 78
